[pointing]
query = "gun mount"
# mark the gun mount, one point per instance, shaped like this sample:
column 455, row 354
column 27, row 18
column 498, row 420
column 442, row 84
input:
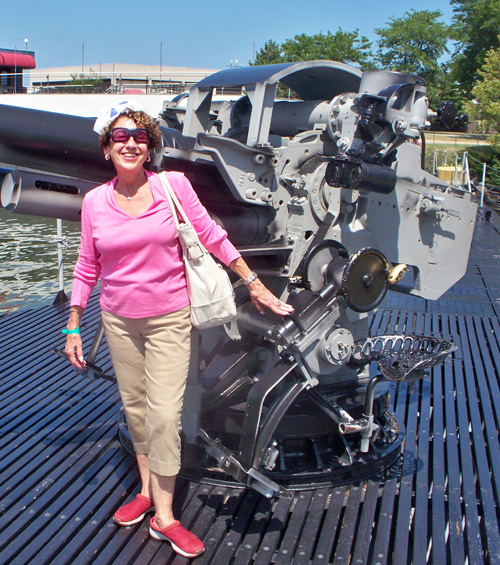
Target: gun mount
column 325, row 196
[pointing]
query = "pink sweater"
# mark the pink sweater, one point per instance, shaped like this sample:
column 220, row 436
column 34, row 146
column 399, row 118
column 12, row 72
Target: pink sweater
column 139, row 260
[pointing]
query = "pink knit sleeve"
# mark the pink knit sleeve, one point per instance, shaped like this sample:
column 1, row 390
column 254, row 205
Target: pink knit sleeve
column 87, row 268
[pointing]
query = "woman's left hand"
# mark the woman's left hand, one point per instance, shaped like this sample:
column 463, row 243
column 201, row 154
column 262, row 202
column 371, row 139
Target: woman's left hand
column 260, row 295
column 263, row 298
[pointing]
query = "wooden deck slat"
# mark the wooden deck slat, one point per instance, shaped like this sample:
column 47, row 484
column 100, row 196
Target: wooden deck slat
column 330, row 528
column 470, row 516
column 307, row 542
column 361, row 550
column 64, row 425
column 53, row 451
column 256, row 530
column 230, row 502
column 489, row 409
column 438, row 515
column 94, row 536
column 423, row 478
column 490, row 355
column 67, row 512
column 240, row 522
column 481, row 421
column 349, row 524
column 274, row 532
column 453, row 481
column 383, row 533
column 406, row 486
column 48, row 492
column 294, row 528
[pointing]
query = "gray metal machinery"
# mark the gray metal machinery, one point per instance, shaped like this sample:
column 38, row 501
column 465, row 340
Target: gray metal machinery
column 325, row 197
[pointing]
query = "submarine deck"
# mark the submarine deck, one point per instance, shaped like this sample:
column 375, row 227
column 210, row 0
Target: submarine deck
column 63, row 472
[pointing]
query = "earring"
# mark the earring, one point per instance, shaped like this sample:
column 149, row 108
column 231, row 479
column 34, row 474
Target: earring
column 148, row 158
column 107, row 157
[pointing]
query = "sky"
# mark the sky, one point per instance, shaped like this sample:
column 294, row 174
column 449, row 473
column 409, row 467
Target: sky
column 192, row 33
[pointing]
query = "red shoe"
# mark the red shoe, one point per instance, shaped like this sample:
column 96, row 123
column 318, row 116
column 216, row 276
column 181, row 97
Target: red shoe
column 183, row 542
column 134, row 511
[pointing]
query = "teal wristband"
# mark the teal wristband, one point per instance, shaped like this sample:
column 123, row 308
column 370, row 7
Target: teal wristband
column 75, row 331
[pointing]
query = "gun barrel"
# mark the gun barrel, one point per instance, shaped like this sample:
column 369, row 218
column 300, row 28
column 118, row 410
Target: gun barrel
column 48, row 141
column 46, row 195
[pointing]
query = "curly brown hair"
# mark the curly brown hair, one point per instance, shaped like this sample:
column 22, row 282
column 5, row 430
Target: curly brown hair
column 142, row 120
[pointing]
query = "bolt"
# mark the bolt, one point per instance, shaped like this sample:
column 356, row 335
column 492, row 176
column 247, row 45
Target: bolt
column 367, row 280
column 258, row 158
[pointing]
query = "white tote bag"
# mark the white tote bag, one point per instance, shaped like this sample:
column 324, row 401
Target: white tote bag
column 210, row 291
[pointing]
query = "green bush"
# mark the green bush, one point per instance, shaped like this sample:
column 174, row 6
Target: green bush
column 492, row 159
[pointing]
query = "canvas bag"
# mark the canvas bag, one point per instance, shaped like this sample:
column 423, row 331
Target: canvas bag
column 210, row 291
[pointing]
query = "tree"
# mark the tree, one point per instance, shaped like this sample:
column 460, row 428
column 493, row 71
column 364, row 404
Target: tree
column 343, row 46
column 346, row 47
column 444, row 89
column 475, row 29
column 414, row 44
column 84, row 83
column 270, row 54
column 486, row 93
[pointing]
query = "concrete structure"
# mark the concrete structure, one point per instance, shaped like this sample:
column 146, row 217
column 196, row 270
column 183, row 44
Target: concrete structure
column 84, row 105
column 118, row 78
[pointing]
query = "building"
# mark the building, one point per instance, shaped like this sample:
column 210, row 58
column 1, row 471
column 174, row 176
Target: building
column 88, row 88
column 117, row 78
column 12, row 64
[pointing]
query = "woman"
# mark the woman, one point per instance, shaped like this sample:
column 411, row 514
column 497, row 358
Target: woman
column 129, row 241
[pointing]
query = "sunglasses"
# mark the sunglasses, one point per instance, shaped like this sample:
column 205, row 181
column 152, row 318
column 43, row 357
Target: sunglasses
column 122, row 135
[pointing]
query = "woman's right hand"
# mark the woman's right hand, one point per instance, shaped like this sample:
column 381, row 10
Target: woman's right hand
column 74, row 350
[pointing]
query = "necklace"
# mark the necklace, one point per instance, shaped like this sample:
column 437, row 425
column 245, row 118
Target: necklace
column 124, row 191
column 129, row 196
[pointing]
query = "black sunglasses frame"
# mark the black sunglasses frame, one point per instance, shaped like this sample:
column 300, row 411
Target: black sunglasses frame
column 135, row 133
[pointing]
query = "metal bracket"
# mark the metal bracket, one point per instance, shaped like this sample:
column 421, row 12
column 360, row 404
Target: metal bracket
column 229, row 463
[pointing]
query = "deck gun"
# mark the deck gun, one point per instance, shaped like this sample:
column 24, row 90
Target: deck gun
column 315, row 171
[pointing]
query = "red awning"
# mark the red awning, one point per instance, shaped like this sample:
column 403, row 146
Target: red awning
column 19, row 60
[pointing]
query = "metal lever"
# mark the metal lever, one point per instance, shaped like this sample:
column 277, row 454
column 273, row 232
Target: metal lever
column 229, row 463
column 90, row 369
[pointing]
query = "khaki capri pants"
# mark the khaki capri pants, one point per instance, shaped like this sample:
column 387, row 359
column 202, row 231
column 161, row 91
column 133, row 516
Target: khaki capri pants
column 151, row 359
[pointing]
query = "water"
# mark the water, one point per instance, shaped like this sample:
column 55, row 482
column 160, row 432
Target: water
column 28, row 260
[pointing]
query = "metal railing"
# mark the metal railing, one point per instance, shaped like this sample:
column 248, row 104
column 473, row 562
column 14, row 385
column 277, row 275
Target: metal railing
column 461, row 176
column 62, row 245
column 456, row 138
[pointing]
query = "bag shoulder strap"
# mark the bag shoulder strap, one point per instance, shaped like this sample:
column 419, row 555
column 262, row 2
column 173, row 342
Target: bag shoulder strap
column 177, row 209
